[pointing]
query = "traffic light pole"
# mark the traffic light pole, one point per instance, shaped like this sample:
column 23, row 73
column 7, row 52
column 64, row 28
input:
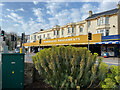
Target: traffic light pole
column 23, row 45
column 88, row 44
column 39, row 46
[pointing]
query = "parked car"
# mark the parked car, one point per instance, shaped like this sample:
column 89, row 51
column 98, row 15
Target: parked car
column 17, row 51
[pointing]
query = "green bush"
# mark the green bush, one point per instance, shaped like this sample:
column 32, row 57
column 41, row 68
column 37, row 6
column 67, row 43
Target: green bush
column 70, row 67
column 113, row 78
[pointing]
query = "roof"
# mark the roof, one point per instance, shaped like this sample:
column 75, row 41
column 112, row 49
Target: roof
column 110, row 12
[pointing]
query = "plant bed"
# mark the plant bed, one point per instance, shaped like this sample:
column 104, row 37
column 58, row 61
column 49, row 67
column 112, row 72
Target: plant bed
column 40, row 84
column 70, row 67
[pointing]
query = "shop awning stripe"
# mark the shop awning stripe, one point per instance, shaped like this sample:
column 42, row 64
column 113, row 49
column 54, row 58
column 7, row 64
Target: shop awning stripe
column 110, row 42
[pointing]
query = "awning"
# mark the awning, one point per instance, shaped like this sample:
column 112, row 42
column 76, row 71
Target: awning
column 109, row 42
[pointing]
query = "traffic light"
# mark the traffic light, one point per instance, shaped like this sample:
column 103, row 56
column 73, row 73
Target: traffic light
column 40, row 41
column 89, row 36
column 23, row 36
column 2, row 33
column 12, row 37
column 4, row 38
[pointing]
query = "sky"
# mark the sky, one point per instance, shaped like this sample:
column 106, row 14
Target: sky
column 30, row 17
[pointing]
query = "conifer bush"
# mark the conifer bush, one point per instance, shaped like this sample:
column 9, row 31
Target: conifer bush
column 70, row 67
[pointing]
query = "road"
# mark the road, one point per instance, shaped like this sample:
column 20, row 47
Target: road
column 28, row 58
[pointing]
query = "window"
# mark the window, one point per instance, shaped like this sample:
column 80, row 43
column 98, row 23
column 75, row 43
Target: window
column 101, row 31
column 107, row 32
column 62, row 31
column 103, row 20
column 107, row 20
column 40, row 36
column 81, row 29
column 98, row 22
column 68, row 29
column 72, row 29
column 54, row 32
column 34, row 37
column 48, row 35
column 57, row 32
column 44, row 35
column 31, row 37
column 89, row 23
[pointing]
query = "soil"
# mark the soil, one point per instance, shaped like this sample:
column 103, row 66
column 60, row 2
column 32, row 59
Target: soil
column 38, row 85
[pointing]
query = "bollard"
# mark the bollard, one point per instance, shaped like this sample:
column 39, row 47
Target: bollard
column 20, row 50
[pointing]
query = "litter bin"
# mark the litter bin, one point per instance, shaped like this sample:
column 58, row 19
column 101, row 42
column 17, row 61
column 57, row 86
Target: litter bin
column 12, row 70
column 106, row 55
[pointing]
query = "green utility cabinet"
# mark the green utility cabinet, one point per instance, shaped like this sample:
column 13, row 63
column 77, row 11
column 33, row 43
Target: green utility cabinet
column 12, row 70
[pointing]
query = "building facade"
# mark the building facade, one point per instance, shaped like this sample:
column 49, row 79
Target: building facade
column 104, row 26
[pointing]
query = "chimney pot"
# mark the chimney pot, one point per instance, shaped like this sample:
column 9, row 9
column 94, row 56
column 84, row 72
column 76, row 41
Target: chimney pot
column 118, row 6
column 90, row 13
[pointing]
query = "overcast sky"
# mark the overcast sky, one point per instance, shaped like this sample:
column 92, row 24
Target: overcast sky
column 30, row 17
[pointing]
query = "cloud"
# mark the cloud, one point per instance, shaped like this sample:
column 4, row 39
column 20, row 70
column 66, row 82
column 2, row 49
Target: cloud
column 10, row 10
column 16, row 25
column 20, row 9
column 35, row 2
column 16, row 16
column 53, row 8
column 1, row 4
column 38, row 12
column 104, row 6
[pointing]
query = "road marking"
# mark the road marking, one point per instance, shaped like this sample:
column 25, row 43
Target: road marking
column 109, row 62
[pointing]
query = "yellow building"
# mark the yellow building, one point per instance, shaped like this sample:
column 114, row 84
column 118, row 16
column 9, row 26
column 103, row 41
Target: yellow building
column 104, row 26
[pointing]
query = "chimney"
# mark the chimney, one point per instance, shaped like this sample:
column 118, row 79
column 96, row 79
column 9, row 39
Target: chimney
column 118, row 6
column 90, row 13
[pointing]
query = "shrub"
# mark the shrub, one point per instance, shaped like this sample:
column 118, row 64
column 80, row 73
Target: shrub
column 70, row 67
column 113, row 78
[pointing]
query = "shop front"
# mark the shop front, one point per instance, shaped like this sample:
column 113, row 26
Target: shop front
column 79, row 41
column 111, row 45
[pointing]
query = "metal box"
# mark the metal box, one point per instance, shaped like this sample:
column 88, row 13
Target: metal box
column 12, row 70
